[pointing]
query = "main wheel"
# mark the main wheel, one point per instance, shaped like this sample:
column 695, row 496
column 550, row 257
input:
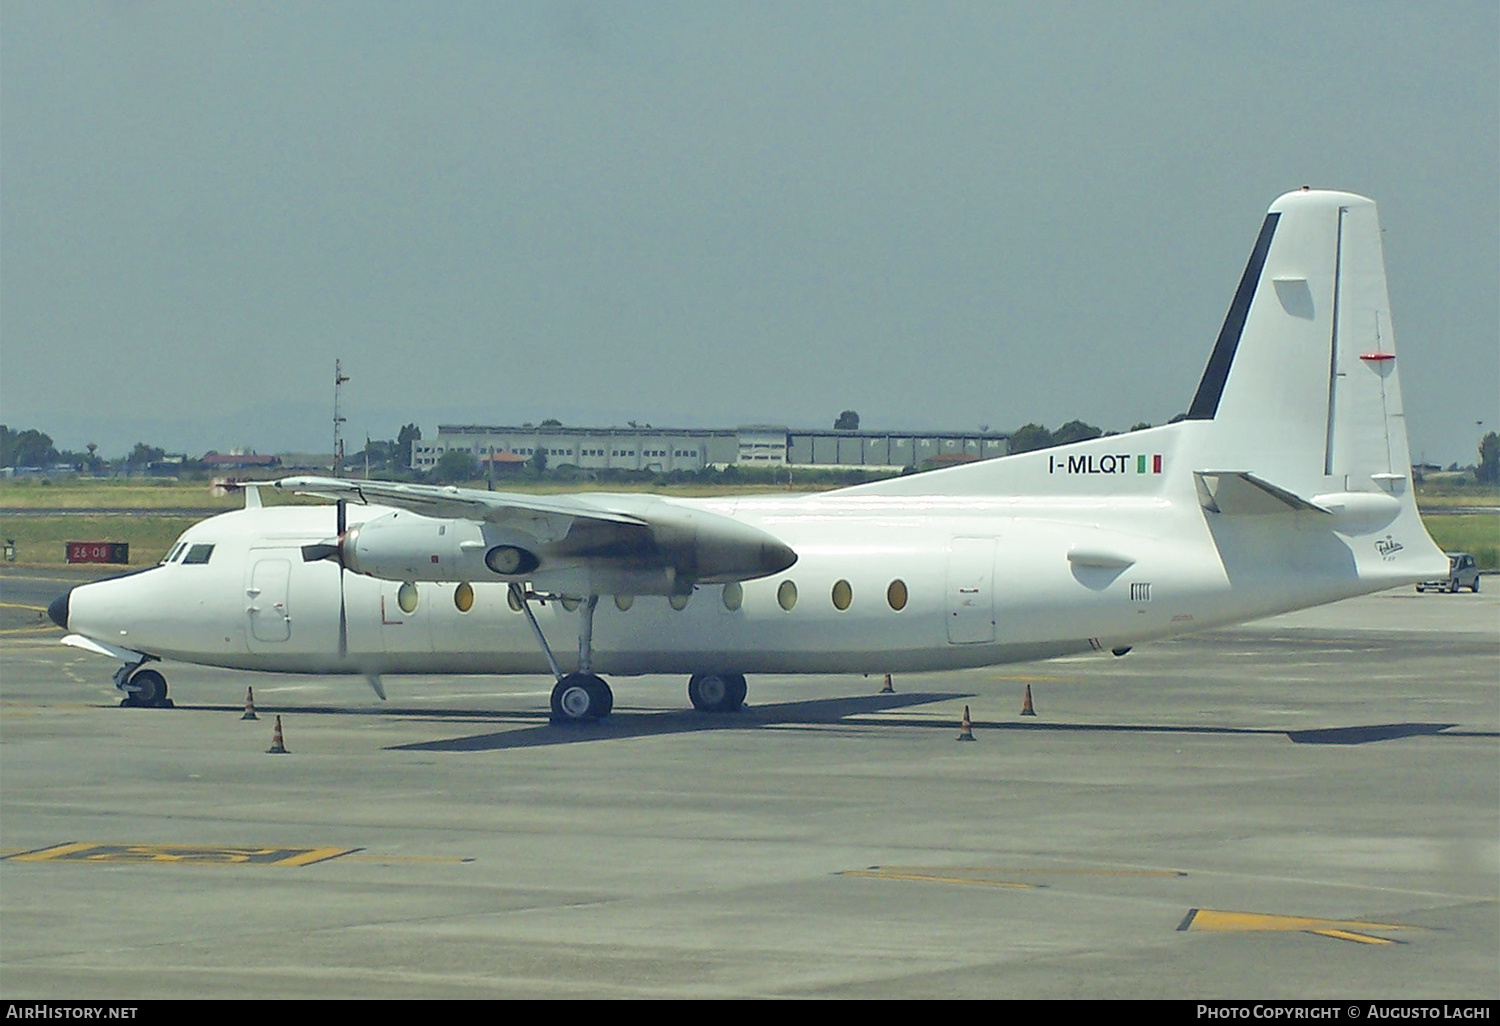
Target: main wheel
column 149, row 690
column 580, row 697
column 717, row 692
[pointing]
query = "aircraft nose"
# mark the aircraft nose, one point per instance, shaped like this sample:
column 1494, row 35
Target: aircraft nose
column 57, row 612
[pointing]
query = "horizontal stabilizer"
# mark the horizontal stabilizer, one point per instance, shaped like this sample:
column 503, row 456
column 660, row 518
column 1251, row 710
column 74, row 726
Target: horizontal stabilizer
column 1239, row 493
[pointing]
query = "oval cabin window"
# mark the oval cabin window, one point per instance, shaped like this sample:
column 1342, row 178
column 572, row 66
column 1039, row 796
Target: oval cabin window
column 842, row 595
column 786, row 595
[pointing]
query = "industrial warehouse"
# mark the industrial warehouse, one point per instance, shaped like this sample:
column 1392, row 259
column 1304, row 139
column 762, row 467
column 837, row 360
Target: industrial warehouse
column 663, row 450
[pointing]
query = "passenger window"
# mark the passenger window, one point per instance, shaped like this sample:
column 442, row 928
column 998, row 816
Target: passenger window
column 198, row 554
column 786, row 595
column 895, row 595
column 842, row 595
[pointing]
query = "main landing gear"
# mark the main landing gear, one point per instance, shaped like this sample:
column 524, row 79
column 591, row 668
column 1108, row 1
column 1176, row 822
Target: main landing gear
column 581, row 696
column 584, row 696
column 717, row 692
column 577, row 697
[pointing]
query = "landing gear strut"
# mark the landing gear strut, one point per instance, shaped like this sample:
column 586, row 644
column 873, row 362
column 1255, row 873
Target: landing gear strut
column 577, row 697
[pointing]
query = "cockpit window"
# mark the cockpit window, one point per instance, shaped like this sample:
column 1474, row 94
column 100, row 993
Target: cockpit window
column 198, row 554
column 176, row 551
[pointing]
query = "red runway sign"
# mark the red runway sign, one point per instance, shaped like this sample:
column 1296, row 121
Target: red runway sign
column 98, row 552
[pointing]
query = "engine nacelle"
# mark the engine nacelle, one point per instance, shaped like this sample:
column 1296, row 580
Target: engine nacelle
column 405, row 546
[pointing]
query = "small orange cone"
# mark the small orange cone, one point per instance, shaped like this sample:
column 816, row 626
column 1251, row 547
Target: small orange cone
column 249, row 705
column 278, row 746
column 1026, row 709
column 889, row 688
column 966, row 730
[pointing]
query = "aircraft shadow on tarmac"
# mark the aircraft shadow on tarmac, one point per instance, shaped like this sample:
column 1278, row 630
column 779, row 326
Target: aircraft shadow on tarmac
column 823, row 712
column 835, row 712
column 626, row 724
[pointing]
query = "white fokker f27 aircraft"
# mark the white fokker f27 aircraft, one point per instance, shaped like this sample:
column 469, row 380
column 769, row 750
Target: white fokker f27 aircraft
column 1286, row 486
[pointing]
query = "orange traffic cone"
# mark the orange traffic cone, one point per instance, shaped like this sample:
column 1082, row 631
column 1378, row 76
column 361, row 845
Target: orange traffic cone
column 889, row 688
column 1026, row 709
column 966, row 730
column 278, row 746
column 249, row 705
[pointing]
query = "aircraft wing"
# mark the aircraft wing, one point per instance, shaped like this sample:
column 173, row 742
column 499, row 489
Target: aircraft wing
column 598, row 533
column 455, row 503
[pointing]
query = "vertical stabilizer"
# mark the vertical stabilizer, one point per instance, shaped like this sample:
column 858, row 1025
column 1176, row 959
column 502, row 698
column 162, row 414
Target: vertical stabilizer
column 1302, row 385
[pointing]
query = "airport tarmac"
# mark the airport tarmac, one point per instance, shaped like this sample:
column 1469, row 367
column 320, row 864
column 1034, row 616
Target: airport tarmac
column 1304, row 807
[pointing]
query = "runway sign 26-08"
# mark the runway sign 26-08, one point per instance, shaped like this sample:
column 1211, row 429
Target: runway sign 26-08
column 98, row 552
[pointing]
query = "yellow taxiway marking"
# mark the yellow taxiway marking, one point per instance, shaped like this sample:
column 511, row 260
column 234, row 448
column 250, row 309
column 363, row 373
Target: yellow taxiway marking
column 183, row 854
column 992, row 876
column 1221, row 921
column 22, row 605
column 213, row 855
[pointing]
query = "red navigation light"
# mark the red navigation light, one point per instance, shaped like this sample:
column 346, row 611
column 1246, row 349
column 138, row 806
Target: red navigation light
column 1377, row 357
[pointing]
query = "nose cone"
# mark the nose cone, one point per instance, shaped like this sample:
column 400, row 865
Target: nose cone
column 58, row 610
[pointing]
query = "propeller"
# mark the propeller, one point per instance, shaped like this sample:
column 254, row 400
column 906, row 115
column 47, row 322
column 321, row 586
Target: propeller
column 334, row 550
column 341, row 517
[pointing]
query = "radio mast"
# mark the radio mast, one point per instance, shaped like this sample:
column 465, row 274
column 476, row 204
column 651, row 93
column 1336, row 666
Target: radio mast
column 338, row 419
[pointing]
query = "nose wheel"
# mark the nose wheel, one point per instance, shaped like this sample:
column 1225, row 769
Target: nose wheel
column 147, row 689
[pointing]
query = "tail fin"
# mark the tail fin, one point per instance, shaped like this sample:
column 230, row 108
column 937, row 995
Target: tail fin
column 1300, row 398
column 1302, row 385
column 1295, row 442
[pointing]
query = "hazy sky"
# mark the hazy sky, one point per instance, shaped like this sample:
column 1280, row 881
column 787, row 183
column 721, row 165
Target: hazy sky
column 706, row 214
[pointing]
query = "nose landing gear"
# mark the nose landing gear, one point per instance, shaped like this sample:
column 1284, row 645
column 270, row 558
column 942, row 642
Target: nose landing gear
column 144, row 689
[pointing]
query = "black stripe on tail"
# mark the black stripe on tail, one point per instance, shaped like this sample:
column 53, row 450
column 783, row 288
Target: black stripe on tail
column 1211, row 387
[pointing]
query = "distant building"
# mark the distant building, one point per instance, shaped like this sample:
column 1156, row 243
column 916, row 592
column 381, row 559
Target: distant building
column 667, row 449
column 236, row 461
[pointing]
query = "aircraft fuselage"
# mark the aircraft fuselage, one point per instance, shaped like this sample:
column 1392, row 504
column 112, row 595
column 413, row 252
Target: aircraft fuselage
column 881, row 584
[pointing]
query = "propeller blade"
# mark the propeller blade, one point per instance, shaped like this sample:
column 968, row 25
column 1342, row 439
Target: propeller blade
column 343, row 621
column 341, row 511
column 374, row 680
column 320, row 550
